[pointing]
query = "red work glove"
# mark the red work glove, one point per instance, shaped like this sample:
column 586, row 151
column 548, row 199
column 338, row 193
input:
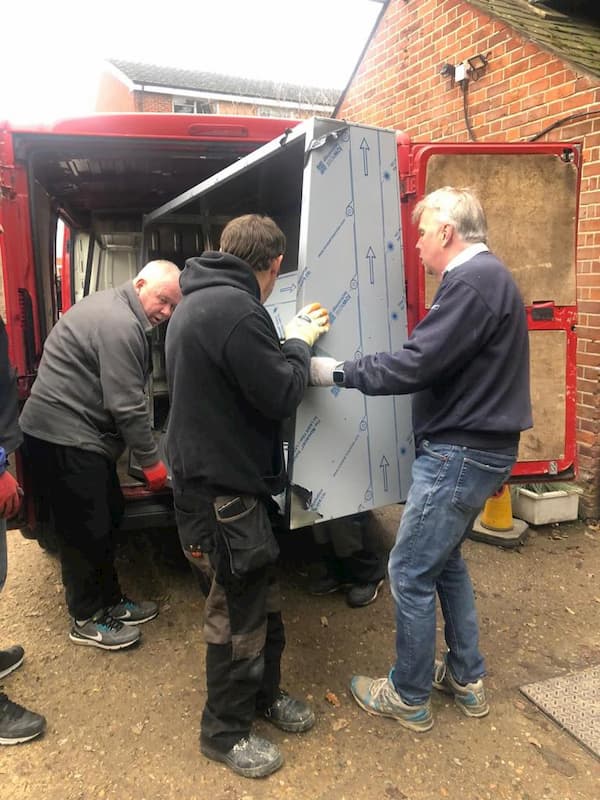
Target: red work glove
column 156, row 476
column 10, row 497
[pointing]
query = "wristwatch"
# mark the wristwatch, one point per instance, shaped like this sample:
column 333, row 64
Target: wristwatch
column 338, row 374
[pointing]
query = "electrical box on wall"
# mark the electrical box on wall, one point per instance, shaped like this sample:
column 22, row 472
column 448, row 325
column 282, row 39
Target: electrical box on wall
column 333, row 189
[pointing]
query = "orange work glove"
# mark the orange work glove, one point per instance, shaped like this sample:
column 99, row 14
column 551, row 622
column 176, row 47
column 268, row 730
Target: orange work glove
column 156, row 476
column 10, row 497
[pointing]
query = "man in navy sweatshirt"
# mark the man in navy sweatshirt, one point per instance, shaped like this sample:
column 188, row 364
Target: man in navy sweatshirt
column 467, row 366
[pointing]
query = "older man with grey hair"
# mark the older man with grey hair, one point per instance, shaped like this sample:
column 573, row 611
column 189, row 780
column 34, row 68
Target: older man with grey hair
column 87, row 403
column 467, row 366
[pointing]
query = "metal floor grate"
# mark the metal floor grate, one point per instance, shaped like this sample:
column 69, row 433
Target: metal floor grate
column 573, row 701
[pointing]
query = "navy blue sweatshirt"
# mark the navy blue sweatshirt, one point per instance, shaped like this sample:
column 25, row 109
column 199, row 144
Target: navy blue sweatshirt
column 466, row 363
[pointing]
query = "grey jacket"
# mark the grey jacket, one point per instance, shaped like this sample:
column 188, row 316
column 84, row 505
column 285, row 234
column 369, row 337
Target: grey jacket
column 90, row 388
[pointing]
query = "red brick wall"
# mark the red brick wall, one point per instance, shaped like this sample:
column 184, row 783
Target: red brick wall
column 524, row 89
column 146, row 101
column 113, row 95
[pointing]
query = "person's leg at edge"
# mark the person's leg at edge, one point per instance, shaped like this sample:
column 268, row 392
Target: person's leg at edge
column 17, row 723
column 12, row 658
column 3, row 554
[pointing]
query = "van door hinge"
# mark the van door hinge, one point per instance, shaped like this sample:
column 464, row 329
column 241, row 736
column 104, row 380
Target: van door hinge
column 408, row 186
column 7, row 189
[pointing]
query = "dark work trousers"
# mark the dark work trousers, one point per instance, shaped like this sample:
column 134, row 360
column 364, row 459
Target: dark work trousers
column 243, row 629
column 82, row 491
column 346, row 550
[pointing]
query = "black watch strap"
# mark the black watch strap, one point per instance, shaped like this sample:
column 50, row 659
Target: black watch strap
column 338, row 375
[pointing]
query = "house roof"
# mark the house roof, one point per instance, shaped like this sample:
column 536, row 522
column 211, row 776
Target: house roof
column 182, row 80
column 571, row 30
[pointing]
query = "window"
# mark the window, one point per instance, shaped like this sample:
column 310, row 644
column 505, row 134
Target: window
column 190, row 105
column 272, row 111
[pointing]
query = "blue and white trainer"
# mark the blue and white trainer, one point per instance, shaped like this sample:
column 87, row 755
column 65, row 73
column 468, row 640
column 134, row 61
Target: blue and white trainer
column 469, row 697
column 379, row 697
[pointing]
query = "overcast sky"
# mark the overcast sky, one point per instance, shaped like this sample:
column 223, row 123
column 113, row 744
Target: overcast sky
column 51, row 52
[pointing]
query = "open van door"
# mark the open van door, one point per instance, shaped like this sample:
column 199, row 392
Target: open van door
column 333, row 189
column 530, row 196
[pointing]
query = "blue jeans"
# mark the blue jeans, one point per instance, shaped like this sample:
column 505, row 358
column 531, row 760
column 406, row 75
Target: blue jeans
column 450, row 486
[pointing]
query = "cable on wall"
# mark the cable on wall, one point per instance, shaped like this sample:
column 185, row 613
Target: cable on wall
column 563, row 121
column 465, row 89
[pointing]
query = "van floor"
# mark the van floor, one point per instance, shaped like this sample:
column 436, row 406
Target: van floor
column 124, row 725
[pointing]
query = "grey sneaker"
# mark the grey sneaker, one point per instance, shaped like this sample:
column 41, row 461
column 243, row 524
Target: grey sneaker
column 289, row 714
column 130, row 612
column 17, row 724
column 379, row 697
column 362, row 594
column 10, row 659
column 251, row 757
column 470, row 698
column 104, row 631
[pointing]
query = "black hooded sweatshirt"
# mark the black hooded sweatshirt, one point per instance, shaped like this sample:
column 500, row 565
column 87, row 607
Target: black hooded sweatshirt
column 231, row 382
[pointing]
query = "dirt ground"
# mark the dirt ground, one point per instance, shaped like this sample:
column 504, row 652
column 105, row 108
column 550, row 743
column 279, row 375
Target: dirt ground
column 124, row 725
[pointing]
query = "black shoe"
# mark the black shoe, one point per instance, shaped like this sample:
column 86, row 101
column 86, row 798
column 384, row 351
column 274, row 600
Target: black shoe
column 328, row 584
column 17, row 724
column 251, row 757
column 289, row 714
column 361, row 594
column 11, row 659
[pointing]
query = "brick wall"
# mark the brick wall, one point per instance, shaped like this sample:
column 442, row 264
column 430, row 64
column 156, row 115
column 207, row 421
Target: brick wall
column 524, row 89
column 154, row 103
column 112, row 94
column 163, row 103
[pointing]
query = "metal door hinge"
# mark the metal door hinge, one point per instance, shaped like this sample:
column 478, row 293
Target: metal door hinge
column 408, row 186
column 7, row 189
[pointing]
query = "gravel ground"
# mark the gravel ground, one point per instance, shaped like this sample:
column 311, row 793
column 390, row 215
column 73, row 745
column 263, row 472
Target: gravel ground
column 124, row 725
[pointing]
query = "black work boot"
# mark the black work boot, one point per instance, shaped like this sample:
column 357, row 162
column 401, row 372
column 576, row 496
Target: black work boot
column 289, row 714
column 251, row 757
column 17, row 724
column 362, row 594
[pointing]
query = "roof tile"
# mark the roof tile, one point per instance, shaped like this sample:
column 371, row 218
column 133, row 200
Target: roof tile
column 574, row 39
column 182, row 80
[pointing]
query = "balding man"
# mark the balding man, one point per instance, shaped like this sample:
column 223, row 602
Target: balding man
column 88, row 403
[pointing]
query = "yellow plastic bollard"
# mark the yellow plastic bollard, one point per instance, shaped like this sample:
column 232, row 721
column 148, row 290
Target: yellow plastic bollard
column 497, row 512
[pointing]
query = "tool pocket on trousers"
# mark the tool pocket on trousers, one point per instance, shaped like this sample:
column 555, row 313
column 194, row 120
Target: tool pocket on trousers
column 196, row 525
column 244, row 525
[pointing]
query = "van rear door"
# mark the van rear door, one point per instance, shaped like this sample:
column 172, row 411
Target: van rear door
column 530, row 194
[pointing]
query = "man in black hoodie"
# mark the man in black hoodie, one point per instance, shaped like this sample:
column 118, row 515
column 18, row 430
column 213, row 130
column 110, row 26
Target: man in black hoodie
column 231, row 385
